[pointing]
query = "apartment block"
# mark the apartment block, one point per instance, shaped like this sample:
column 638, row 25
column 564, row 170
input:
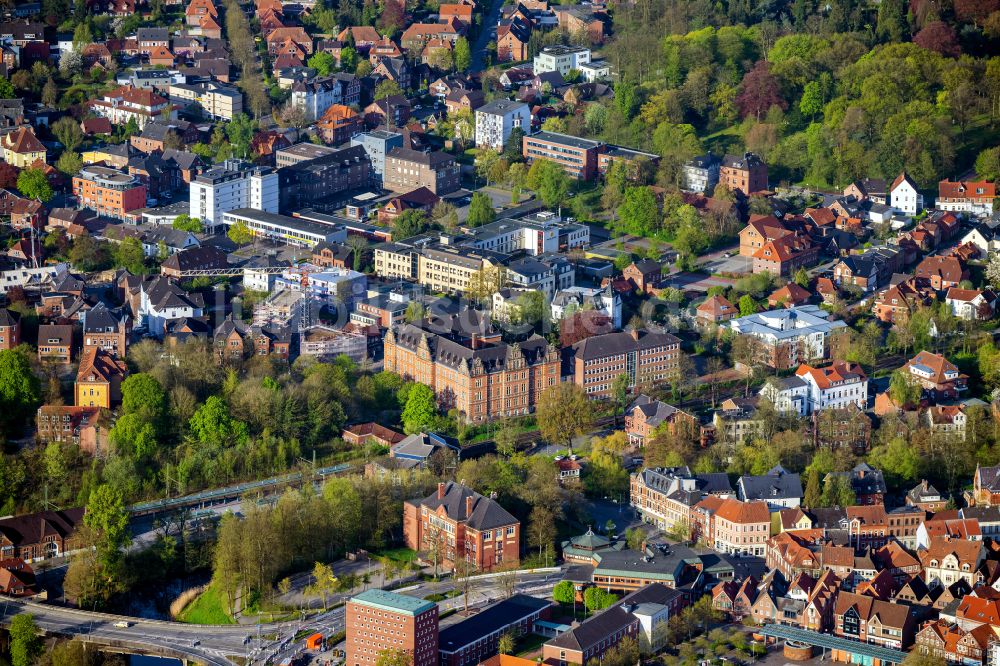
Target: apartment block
column 406, row 170
column 664, row 496
column 560, row 59
column 236, row 184
column 108, row 192
column 377, row 620
column 212, row 99
column 496, row 120
column 378, row 144
column 578, row 157
column 315, row 181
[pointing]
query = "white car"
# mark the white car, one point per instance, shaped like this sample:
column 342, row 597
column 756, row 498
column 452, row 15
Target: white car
column 122, row 624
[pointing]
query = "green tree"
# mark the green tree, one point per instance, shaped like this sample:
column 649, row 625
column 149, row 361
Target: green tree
column 480, row 210
column 638, row 213
column 129, row 255
column 463, row 55
column 185, row 222
column 143, row 395
column 69, row 163
column 50, row 93
column 20, row 389
column 420, row 409
column 747, row 305
column 549, row 181
column 25, row 645
column 802, row 278
column 595, row 599
column 812, row 99
column 6, row 89
column 213, row 425
column 899, row 461
column 988, row 163
column 891, row 22
column 563, row 412
column 619, row 393
column 903, row 391
column 240, row 132
column 410, row 223
column 68, row 132
column 814, row 494
column 134, row 437
column 33, row 184
column 837, row 491
column 564, row 592
column 513, row 146
column 506, row 643
column 348, row 59
column 322, row 62
column 240, row 233
column 387, row 88
column 108, row 516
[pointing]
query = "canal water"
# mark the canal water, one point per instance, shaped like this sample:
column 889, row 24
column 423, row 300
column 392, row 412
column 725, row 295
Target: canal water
column 138, row 660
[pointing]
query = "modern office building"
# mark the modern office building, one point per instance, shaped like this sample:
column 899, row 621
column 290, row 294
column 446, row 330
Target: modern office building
column 578, row 157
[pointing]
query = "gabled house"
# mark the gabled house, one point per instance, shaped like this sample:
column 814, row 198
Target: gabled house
column 904, row 195
column 973, row 197
column 939, row 377
column 779, row 488
column 942, row 273
column 99, row 379
column 868, row 620
column 972, row 304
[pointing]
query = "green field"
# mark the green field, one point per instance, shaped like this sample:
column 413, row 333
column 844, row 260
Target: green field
column 404, row 555
column 208, row 608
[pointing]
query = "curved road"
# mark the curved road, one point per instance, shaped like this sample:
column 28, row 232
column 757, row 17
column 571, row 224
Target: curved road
column 213, row 645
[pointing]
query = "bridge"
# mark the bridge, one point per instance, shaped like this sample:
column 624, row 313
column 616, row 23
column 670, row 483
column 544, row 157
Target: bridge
column 206, row 498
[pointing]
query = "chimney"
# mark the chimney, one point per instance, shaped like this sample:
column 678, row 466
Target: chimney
column 440, row 490
column 468, row 506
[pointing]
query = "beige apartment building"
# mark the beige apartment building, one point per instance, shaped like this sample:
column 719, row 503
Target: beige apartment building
column 395, row 262
column 449, row 269
column 212, row 99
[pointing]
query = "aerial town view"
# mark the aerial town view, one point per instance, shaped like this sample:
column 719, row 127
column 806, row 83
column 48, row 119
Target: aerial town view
column 499, row 332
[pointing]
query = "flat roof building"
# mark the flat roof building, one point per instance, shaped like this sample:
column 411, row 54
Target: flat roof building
column 577, row 157
column 378, row 620
column 473, row 640
column 290, row 230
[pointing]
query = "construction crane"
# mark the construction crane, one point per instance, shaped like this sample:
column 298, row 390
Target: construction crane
column 305, row 317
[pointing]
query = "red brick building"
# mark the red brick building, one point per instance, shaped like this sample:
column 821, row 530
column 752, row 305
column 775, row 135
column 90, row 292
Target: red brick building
column 646, row 358
column 378, row 620
column 745, row 173
column 10, row 329
column 456, row 523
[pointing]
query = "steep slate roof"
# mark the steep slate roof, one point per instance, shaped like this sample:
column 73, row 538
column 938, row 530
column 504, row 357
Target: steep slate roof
column 31, row 528
column 23, row 140
column 777, row 484
column 486, row 513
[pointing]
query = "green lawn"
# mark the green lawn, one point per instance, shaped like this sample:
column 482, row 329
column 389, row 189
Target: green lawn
column 398, row 554
column 529, row 644
column 208, row 608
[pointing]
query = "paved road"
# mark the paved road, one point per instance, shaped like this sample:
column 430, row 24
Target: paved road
column 213, row 645
column 487, row 32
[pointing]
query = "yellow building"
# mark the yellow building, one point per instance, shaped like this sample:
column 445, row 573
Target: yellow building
column 21, row 148
column 114, row 155
column 99, row 379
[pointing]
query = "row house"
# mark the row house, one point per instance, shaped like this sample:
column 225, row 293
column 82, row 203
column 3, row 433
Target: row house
column 869, row 620
column 794, row 552
column 941, row 525
column 973, row 197
column 948, row 560
column 130, row 103
column 784, row 256
column 731, row 526
column 664, row 496
column 870, row 270
column 952, row 643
